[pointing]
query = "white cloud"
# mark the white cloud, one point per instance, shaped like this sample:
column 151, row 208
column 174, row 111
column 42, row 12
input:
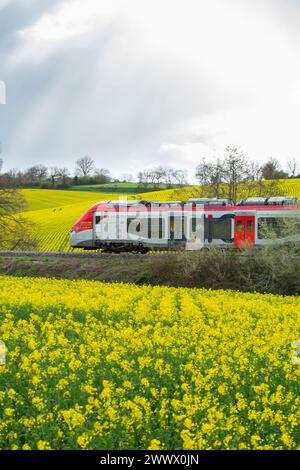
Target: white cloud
column 163, row 80
column 72, row 18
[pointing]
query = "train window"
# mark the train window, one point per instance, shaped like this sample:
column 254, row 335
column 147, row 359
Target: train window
column 219, row 229
column 239, row 226
column 249, row 226
column 278, row 227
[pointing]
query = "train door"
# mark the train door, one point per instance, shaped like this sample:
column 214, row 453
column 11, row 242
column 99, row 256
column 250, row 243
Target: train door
column 244, row 230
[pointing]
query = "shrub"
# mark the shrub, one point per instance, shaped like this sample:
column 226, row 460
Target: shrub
column 267, row 269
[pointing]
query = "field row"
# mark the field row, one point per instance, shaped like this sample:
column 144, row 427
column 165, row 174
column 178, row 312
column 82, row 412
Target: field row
column 52, row 226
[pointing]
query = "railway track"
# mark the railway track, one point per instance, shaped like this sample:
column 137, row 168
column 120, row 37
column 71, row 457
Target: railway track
column 70, row 254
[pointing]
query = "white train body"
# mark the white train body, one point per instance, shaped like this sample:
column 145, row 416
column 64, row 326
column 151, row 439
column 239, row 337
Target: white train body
column 144, row 225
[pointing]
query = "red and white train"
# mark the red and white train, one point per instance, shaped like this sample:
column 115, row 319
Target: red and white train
column 140, row 226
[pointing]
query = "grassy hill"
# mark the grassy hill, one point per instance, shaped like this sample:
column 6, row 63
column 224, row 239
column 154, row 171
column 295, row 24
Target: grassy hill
column 125, row 188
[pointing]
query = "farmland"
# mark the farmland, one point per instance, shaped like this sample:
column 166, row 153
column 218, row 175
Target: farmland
column 54, row 212
column 290, row 187
column 38, row 199
column 108, row 366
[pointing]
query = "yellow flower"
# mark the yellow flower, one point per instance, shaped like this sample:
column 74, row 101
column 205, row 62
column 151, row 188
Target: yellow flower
column 26, row 447
column 9, row 411
column 155, row 444
column 105, row 365
column 43, row 445
column 83, row 440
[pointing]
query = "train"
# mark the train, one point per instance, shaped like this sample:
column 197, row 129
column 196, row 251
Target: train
column 141, row 226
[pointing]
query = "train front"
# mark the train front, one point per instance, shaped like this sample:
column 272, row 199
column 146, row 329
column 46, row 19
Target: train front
column 82, row 232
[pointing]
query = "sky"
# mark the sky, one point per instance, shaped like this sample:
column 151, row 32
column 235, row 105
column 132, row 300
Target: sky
column 140, row 83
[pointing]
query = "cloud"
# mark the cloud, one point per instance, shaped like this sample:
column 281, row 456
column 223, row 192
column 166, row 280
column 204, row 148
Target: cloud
column 136, row 83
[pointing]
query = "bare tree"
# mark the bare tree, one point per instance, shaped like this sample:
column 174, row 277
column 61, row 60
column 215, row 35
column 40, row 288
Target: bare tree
column 15, row 229
column 211, row 178
column 54, row 173
column 159, row 174
column 84, row 166
column 292, row 165
column 204, row 172
column 36, row 173
column 180, row 177
column 235, row 171
column 150, row 175
column 42, row 172
column 64, row 175
column 169, row 176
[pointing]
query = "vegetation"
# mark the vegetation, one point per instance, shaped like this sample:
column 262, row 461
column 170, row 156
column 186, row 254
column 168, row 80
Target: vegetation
column 219, row 178
column 248, row 271
column 89, row 364
column 14, row 229
column 288, row 187
column 233, row 176
column 251, row 270
column 124, row 188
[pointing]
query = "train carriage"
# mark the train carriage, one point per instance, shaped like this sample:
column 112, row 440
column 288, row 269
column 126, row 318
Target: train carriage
column 153, row 225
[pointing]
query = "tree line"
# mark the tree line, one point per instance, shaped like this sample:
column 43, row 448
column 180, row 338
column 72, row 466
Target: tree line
column 234, row 174
column 230, row 169
column 55, row 177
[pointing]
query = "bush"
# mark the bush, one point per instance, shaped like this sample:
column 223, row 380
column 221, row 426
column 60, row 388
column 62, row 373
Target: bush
column 269, row 269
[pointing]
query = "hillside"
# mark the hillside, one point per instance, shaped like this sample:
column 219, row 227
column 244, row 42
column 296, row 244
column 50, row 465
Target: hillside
column 54, row 212
column 125, row 188
column 38, row 199
column 290, row 187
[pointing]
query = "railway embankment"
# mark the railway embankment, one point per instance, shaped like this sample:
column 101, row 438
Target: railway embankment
column 269, row 270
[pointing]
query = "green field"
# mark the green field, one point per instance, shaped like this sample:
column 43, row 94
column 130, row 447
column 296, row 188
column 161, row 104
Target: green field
column 124, row 188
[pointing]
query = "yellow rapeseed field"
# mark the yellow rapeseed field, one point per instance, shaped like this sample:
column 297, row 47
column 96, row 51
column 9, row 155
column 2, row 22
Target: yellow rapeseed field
column 54, row 212
column 51, row 227
column 96, row 366
column 288, row 187
column 38, row 199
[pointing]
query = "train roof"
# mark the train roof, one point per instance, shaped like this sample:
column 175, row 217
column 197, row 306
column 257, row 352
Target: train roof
column 178, row 206
column 208, row 202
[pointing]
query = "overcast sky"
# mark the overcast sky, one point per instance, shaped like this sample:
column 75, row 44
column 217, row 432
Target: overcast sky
column 136, row 83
